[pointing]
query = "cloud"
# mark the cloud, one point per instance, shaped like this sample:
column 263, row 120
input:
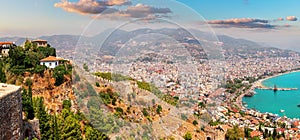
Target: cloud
column 242, row 23
column 109, row 9
column 90, row 6
column 280, row 19
column 138, row 11
column 291, row 18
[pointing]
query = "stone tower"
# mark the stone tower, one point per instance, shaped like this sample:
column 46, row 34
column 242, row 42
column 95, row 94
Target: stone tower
column 11, row 123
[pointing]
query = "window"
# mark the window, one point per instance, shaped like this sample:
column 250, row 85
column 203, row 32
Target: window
column 50, row 64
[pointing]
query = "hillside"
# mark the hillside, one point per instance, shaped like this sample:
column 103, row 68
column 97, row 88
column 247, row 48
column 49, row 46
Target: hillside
column 107, row 42
column 48, row 102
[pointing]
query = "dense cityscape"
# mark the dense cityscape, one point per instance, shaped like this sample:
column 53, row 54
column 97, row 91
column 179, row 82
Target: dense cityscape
column 149, row 70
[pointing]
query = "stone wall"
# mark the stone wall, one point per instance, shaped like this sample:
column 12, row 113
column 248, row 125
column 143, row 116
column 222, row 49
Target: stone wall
column 11, row 123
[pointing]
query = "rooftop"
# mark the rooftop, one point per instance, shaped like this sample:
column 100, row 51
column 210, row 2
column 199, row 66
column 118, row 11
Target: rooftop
column 50, row 58
column 39, row 40
column 6, row 89
column 4, row 43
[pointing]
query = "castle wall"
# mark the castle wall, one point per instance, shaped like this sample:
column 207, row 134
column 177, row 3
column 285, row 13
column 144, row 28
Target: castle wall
column 11, row 123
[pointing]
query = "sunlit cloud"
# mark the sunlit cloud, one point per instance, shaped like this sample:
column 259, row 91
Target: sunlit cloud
column 242, row 23
column 110, row 9
column 90, row 6
column 291, row 18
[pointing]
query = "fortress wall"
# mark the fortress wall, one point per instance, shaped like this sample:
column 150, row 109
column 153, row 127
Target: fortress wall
column 11, row 123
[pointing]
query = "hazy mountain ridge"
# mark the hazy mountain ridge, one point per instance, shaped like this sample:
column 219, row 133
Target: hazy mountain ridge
column 108, row 42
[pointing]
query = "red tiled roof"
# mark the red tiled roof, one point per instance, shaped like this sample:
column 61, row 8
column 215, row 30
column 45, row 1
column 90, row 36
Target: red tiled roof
column 4, row 43
column 280, row 130
column 39, row 40
column 296, row 123
column 255, row 133
column 254, row 121
column 294, row 129
column 50, row 58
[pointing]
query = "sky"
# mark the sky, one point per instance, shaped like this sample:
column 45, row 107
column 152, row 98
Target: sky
column 275, row 22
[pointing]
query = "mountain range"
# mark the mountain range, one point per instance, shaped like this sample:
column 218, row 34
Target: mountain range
column 109, row 41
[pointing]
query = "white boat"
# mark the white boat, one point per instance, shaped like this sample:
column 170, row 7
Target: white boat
column 281, row 110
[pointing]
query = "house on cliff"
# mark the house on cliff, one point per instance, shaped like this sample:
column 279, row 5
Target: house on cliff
column 4, row 47
column 51, row 61
column 40, row 43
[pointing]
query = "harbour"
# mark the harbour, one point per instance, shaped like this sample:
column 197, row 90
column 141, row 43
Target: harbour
column 277, row 95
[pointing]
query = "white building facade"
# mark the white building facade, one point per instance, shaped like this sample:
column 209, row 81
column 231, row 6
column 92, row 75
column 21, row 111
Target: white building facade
column 50, row 62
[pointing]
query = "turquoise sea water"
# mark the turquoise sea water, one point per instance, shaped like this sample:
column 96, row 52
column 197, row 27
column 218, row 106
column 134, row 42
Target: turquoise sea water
column 273, row 102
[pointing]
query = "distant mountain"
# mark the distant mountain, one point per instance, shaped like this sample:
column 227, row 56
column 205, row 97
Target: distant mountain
column 17, row 40
column 246, row 48
column 110, row 41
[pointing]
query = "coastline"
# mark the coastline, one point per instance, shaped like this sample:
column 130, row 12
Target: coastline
column 259, row 83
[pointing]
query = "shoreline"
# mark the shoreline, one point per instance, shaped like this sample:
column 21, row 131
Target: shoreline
column 259, row 83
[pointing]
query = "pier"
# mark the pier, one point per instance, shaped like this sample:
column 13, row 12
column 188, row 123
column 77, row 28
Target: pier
column 278, row 89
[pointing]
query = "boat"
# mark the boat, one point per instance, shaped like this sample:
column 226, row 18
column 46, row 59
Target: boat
column 298, row 105
column 275, row 88
column 249, row 94
column 281, row 110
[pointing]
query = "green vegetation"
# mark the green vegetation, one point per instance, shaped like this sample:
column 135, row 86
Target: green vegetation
column 27, row 103
column 152, row 88
column 188, row 136
column 59, row 73
column 237, row 87
column 2, row 73
column 28, row 58
column 214, row 123
column 85, row 67
column 67, row 104
column 97, row 84
column 235, row 134
column 145, row 112
column 195, row 122
column 158, row 109
column 109, row 97
column 64, row 125
column 104, row 122
column 142, row 85
column 112, row 77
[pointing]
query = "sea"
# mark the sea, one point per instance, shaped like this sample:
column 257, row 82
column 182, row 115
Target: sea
column 283, row 103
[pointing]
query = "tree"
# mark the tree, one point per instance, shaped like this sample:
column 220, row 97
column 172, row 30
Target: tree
column 44, row 119
column 85, row 67
column 158, row 109
column 58, row 74
column 67, row 104
column 274, row 134
column 2, row 73
column 235, row 133
column 97, row 84
column 68, row 125
column 32, row 59
column 188, row 136
column 27, row 103
column 145, row 112
column 94, row 134
column 201, row 104
column 47, row 51
column 195, row 122
column 247, row 132
column 17, row 56
column 28, row 82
